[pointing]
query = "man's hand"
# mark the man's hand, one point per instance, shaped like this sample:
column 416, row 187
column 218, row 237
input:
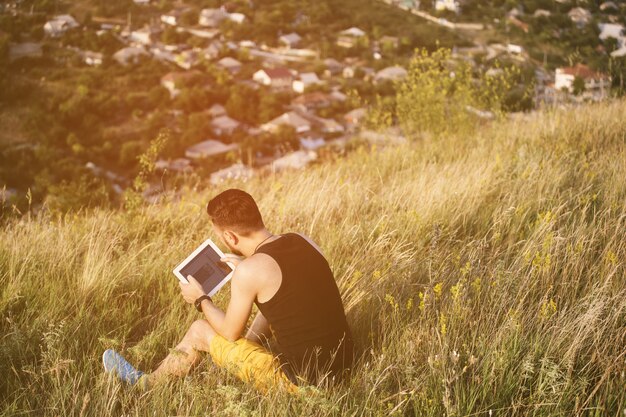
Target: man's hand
column 232, row 258
column 192, row 291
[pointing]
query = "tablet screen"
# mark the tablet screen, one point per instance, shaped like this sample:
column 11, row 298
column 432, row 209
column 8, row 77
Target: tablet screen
column 207, row 269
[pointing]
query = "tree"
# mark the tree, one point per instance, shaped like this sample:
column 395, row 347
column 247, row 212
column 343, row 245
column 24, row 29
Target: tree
column 578, row 86
column 439, row 96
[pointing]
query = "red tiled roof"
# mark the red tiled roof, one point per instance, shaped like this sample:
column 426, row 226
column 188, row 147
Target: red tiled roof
column 280, row 72
column 582, row 71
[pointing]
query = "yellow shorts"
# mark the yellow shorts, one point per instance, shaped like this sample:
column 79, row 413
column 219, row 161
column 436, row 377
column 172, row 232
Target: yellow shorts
column 251, row 363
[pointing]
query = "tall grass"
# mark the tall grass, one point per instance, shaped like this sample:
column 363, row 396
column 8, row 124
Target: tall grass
column 482, row 275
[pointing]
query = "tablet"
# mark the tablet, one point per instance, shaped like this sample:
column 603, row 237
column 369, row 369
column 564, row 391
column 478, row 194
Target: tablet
column 205, row 266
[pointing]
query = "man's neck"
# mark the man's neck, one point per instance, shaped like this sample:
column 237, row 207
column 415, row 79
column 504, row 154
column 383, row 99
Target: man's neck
column 255, row 241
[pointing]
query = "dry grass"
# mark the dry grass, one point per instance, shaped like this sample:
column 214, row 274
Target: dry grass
column 482, row 275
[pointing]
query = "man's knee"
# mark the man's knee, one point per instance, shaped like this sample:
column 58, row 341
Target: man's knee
column 200, row 334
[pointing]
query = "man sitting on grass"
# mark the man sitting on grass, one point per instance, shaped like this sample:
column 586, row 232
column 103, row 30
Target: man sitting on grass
column 291, row 283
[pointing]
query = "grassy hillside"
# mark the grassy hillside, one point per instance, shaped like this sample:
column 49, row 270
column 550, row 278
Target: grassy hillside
column 482, row 275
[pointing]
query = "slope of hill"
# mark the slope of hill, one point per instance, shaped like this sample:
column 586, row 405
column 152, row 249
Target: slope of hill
column 482, row 275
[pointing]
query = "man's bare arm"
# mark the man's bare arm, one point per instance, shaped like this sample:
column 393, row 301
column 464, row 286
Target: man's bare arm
column 259, row 331
column 230, row 324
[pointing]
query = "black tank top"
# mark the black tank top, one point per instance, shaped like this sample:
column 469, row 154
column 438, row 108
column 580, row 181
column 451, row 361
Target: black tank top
column 306, row 314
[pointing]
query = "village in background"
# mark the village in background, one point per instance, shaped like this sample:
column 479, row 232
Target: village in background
column 240, row 88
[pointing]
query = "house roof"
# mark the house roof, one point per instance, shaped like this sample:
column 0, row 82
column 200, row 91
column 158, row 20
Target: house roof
column 608, row 5
column 355, row 114
column 579, row 13
column 391, row 73
column 353, row 31
column 610, row 30
column 332, row 63
column 338, row 95
column 229, row 62
column 582, row 71
column 330, row 125
column 225, row 122
column 290, row 38
column 128, row 52
column 68, row 19
column 209, row 147
column 309, row 77
column 213, row 13
column 290, row 118
column 237, row 17
column 279, row 72
column 217, row 110
column 312, row 143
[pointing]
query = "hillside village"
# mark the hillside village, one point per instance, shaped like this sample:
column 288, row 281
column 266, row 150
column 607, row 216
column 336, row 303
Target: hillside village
column 235, row 105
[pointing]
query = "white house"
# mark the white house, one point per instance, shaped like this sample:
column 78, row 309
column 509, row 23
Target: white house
column 216, row 110
column 597, row 85
column 305, row 80
column 93, row 58
column 278, row 78
column 147, row 35
column 290, row 40
column 514, row 49
column 353, row 31
column 451, row 5
column 293, row 119
column 173, row 17
column 350, row 37
column 612, row 30
column 211, row 17
column 236, row 17
column 224, row 125
column 333, row 67
column 230, row 64
column 209, row 148
column 579, row 16
column 59, row 25
column 129, row 55
column 393, row 73
column 609, row 5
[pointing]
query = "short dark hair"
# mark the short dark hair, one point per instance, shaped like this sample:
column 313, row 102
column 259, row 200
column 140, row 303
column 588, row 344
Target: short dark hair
column 235, row 209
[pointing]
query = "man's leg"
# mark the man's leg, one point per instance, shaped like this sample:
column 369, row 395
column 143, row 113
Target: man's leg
column 248, row 360
column 186, row 353
column 177, row 363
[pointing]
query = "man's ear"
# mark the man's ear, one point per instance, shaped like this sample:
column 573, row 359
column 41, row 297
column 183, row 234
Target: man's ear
column 231, row 237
